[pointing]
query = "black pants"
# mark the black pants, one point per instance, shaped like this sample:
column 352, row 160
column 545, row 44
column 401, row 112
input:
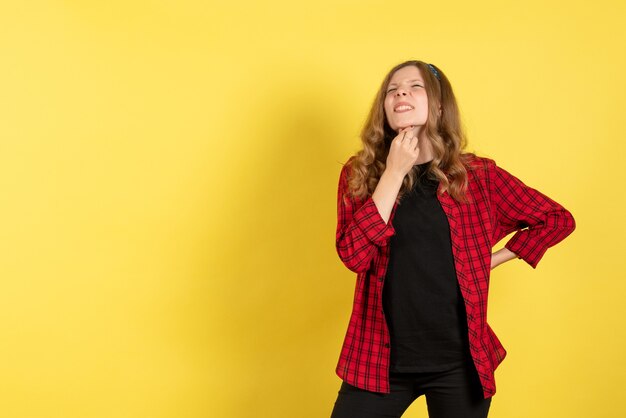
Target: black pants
column 455, row 393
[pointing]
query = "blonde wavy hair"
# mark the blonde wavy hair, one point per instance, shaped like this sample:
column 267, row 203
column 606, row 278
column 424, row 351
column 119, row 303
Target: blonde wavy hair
column 444, row 132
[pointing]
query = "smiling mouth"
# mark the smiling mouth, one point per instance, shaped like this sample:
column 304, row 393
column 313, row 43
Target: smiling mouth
column 403, row 108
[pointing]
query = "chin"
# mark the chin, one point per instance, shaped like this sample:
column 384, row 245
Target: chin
column 404, row 125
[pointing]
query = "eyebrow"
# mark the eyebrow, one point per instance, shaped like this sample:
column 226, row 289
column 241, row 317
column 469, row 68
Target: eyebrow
column 410, row 81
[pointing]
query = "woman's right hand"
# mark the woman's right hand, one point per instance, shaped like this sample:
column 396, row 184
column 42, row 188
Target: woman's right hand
column 403, row 152
column 402, row 156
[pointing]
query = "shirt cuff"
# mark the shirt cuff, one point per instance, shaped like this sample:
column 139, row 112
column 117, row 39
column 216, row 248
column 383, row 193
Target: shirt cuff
column 526, row 248
column 372, row 224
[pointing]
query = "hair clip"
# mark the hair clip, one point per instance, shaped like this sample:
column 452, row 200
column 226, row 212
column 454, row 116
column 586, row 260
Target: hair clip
column 434, row 71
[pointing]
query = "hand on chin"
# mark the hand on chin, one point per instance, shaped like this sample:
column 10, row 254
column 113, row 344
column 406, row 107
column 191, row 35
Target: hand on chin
column 413, row 128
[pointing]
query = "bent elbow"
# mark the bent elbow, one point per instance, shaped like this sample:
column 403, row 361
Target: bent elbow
column 356, row 267
column 353, row 261
column 572, row 222
column 569, row 223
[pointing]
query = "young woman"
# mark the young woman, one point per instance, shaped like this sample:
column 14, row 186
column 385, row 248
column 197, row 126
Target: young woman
column 417, row 221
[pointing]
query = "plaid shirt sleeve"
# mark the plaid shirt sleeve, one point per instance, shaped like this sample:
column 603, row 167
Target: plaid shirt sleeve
column 540, row 221
column 360, row 228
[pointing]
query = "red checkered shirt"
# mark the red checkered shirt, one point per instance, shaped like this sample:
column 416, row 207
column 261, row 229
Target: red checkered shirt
column 499, row 204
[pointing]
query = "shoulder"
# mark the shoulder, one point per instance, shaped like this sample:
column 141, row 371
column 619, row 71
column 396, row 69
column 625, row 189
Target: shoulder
column 346, row 168
column 478, row 166
column 346, row 173
column 349, row 162
column 473, row 161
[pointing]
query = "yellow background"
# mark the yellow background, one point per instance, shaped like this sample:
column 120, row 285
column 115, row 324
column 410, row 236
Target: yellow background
column 168, row 174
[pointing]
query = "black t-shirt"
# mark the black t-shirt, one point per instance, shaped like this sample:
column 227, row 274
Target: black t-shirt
column 421, row 297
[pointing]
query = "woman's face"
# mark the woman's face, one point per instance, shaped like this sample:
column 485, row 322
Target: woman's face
column 406, row 103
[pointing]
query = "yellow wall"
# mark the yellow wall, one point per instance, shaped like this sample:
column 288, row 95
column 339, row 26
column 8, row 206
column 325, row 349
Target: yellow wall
column 168, row 174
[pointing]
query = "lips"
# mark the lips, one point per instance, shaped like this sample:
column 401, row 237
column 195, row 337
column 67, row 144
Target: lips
column 401, row 107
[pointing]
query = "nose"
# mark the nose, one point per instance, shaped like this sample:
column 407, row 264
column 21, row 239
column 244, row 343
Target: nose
column 401, row 92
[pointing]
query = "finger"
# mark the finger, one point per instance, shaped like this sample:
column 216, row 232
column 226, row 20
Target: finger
column 414, row 144
column 403, row 129
column 408, row 129
column 411, row 139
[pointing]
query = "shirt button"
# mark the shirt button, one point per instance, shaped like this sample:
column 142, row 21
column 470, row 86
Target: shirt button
column 380, row 279
column 387, row 345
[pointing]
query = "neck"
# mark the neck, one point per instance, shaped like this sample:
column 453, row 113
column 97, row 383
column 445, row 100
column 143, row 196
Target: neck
column 426, row 151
